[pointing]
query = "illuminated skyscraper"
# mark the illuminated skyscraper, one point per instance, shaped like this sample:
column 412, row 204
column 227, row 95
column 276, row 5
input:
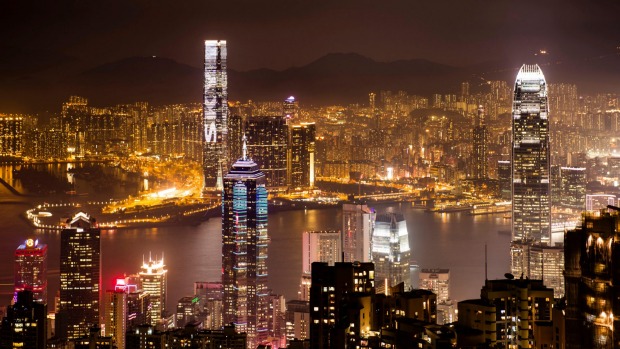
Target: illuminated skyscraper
column 11, row 135
column 481, row 139
column 302, row 155
column 31, row 269
column 154, row 280
column 504, row 177
column 390, row 250
column 267, row 145
column 358, row 221
column 531, row 189
column 115, row 317
column 573, row 194
column 290, row 107
column 215, row 109
column 80, row 277
column 244, row 249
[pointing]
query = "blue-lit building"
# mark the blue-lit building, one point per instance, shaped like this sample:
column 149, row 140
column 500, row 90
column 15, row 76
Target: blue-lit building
column 244, row 250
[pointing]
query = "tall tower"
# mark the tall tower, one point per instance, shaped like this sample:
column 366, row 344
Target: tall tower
column 303, row 138
column 80, row 277
column 153, row 278
column 531, row 188
column 318, row 246
column 31, row 269
column 390, row 250
column 215, row 109
column 481, row 139
column 115, row 317
column 244, row 249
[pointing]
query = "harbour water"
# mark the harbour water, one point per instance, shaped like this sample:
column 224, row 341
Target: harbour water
column 192, row 253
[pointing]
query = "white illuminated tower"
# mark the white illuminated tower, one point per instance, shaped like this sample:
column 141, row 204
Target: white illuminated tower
column 531, row 189
column 244, row 250
column 153, row 278
column 215, row 109
column 390, row 250
column 318, row 246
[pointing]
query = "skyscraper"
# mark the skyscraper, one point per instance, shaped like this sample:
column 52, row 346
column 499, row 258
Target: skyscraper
column 358, row 221
column 80, row 277
column 267, row 145
column 11, row 135
column 244, row 249
column 154, row 280
column 390, row 250
column 115, row 317
column 31, row 269
column 290, row 107
column 481, row 139
column 302, row 155
column 531, row 189
column 215, row 109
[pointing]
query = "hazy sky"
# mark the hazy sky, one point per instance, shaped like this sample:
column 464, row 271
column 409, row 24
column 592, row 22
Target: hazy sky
column 279, row 34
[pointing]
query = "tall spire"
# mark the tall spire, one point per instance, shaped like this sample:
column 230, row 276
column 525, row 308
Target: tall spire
column 245, row 148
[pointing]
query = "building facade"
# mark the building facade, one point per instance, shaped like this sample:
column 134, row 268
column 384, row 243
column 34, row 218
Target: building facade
column 267, row 146
column 154, row 281
column 480, row 143
column 31, row 269
column 531, row 187
column 303, row 139
column 592, row 253
column 390, row 250
column 244, row 250
column 358, row 221
column 80, row 277
column 215, row 109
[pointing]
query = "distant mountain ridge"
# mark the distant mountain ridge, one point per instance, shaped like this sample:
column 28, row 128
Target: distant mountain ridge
column 337, row 78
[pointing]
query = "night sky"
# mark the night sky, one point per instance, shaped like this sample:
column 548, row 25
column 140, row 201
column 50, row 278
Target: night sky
column 280, row 34
column 51, row 50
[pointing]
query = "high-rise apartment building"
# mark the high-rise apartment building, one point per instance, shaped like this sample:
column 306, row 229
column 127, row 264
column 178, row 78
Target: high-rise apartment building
column 154, row 281
column 358, row 221
column 481, row 140
column 11, row 135
column 80, row 277
column 511, row 313
column 244, row 249
column 73, row 118
column 115, row 316
column 267, row 142
column 390, row 250
column 303, row 138
column 215, row 109
column 592, row 253
column 25, row 323
column 531, row 188
column 31, row 269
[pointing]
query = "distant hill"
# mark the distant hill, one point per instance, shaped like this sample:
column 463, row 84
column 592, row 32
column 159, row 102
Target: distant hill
column 335, row 78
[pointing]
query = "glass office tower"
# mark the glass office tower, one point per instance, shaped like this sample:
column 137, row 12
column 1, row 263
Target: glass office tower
column 531, row 189
column 244, row 249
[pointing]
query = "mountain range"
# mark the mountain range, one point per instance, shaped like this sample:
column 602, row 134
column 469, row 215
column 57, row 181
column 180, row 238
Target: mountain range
column 338, row 78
